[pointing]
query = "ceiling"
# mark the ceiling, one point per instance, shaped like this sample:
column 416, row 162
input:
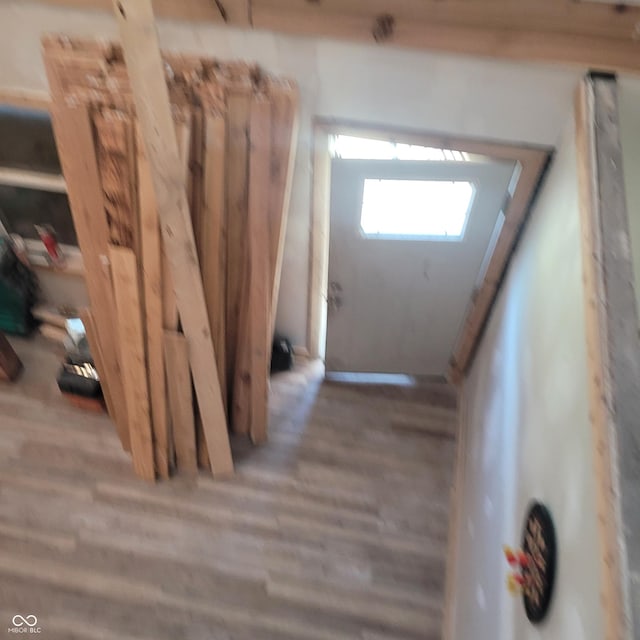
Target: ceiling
column 597, row 34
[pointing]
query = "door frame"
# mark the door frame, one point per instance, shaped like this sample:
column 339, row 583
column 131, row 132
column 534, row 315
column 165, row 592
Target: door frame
column 530, row 161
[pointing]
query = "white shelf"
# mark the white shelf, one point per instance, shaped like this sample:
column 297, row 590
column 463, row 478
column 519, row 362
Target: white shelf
column 33, row 180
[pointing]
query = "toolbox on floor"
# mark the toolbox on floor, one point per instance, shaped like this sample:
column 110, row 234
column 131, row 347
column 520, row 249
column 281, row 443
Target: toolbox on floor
column 18, row 290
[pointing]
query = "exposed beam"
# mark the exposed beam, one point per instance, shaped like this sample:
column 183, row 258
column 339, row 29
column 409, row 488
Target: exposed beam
column 597, row 36
column 613, row 362
column 559, row 16
column 234, row 12
column 188, row 10
column 237, row 12
column 522, row 44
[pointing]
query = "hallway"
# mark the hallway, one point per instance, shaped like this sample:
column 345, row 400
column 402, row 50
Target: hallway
column 335, row 529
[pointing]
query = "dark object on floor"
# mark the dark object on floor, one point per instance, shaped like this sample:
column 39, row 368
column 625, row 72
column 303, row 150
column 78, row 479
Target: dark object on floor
column 10, row 365
column 79, row 378
column 281, row 354
column 18, row 289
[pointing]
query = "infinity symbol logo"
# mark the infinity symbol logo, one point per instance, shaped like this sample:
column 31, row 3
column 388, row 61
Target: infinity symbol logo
column 30, row 621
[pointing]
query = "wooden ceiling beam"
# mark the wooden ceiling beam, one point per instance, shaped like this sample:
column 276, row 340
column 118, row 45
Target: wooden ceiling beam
column 520, row 45
column 594, row 35
column 237, row 12
column 564, row 16
column 187, row 10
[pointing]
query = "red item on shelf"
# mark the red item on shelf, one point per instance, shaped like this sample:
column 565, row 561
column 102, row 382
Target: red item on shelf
column 50, row 242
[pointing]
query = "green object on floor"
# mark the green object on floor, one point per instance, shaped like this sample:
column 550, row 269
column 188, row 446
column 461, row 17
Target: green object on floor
column 18, row 288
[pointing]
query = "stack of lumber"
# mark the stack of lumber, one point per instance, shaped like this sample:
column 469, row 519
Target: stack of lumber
column 236, row 130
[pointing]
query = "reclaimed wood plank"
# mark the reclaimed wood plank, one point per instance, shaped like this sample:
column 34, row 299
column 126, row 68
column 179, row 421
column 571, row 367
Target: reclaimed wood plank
column 239, row 104
column 259, row 317
column 169, row 302
column 146, row 73
column 195, row 195
column 74, row 139
column 241, row 396
column 213, row 234
column 98, row 357
column 151, row 260
column 176, row 350
column 124, row 273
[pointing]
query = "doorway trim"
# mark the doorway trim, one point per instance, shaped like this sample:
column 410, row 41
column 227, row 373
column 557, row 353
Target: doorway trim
column 531, row 162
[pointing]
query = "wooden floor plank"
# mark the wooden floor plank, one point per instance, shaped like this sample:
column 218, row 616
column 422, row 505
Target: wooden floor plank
column 298, row 544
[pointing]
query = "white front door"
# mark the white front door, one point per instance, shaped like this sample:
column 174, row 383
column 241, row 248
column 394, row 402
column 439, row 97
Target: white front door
column 397, row 293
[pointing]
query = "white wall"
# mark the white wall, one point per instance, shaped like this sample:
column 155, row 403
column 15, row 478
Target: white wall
column 376, row 84
column 629, row 110
column 62, row 290
column 528, row 431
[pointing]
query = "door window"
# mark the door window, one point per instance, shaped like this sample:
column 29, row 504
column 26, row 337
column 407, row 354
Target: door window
column 415, row 209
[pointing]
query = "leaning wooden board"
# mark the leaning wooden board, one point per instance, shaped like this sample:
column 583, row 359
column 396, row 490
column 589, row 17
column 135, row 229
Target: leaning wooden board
column 98, row 357
column 237, row 153
column 151, row 249
column 74, row 138
column 213, row 237
column 284, row 140
column 259, row 316
column 146, row 73
column 132, row 355
column 176, row 351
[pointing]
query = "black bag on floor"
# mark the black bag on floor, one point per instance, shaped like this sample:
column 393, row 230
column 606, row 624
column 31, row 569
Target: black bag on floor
column 281, row 354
